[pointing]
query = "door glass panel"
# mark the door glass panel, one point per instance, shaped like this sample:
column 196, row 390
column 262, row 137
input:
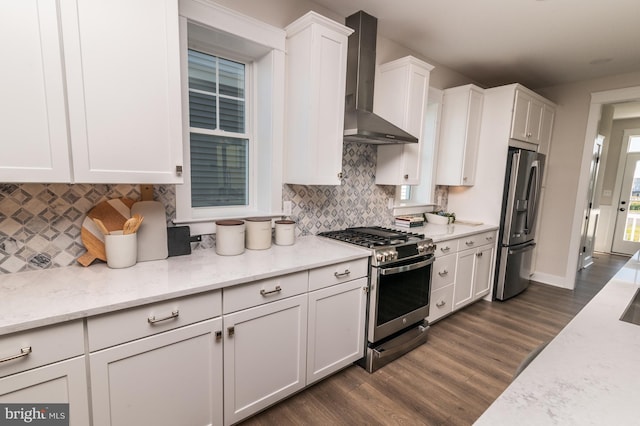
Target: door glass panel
column 632, row 224
column 634, row 144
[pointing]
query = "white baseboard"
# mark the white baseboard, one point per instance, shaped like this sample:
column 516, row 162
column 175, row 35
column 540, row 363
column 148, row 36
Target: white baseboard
column 554, row 280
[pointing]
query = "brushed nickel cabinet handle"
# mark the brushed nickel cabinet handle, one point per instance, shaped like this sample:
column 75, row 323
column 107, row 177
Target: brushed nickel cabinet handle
column 441, row 303
column 343, row 274
column 265, row 293
column 174, row 314
column 218, row 335
column 443, row 273
column 479, row 254
column 231, row 331
column 469, row 243
column 23, row 352
column 445, row 249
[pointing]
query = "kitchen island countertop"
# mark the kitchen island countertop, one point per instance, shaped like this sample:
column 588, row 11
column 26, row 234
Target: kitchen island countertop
column 589, row 374
column 44, row 297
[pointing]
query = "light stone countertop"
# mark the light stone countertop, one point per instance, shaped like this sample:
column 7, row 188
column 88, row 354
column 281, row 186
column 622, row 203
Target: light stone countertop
column 38, row 298
column 589, row 374
column 448, row 232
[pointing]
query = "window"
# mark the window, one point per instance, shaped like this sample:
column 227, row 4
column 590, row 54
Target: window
column 233, row 82
column 219, row 135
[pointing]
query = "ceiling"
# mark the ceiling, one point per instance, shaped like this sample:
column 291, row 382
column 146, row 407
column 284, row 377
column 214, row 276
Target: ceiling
column 538, row 43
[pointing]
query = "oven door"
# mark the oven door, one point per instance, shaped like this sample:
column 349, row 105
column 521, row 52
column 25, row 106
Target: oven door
column 399, row 296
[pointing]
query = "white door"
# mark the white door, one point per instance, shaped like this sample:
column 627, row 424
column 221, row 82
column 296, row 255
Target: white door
column 626, row 239
column 336, row 328
column 265, row 352
column 171, row 378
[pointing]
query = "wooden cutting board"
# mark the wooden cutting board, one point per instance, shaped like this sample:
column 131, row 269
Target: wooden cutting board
column 113, row 213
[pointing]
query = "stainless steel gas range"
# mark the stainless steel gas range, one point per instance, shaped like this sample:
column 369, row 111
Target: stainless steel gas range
column 400, row 283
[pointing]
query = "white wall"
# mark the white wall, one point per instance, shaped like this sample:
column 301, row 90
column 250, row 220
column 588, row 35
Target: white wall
column 557, row 254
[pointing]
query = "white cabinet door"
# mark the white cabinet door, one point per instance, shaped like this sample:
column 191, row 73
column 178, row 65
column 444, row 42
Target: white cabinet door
column 122, row 64
column 61, row 382
column 316, row 78
column 527, row 118
column 265, row 350
column 463, row 286
column 400, row 96
column 459, row 135
column 336, row 328
column 171, row 378
column 483, row 268
column 33, row 130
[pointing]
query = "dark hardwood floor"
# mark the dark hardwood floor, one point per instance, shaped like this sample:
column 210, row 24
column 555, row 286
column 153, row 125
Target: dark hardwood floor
column 469, row 360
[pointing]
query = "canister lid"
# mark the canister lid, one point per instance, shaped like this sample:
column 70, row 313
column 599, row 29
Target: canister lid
column 229, row 222
column 258, row 219
column 285, row 222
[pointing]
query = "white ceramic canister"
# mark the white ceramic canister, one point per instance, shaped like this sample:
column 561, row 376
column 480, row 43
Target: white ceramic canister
column 285, row 232
column 230, row 237
column 258, row 235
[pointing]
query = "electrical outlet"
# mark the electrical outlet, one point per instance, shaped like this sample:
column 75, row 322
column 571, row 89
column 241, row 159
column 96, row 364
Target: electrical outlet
column 286, row 208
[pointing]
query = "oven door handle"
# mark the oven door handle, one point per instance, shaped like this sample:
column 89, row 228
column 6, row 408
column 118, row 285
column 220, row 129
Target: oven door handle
column 406, row 268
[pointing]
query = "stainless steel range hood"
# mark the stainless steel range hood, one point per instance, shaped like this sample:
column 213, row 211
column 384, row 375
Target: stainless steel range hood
column 360, row 123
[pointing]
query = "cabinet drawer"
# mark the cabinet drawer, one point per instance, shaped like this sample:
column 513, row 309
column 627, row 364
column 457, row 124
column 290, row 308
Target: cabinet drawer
column 264, row 291
column 444, row 271
column 41, row 346
column 441, row 303
column 338, row 273
column 123, row 326
column 444, row 248
column 476, row 240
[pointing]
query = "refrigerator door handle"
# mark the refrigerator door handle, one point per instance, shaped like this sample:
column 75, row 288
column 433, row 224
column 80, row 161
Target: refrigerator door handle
column 532, row 196
column 522, row 249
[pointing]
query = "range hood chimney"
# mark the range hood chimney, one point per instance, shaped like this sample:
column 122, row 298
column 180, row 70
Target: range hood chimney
column 360, row 123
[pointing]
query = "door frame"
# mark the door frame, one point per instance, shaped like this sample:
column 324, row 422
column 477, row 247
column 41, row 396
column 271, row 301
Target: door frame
column 598, row 99
column 622, row 161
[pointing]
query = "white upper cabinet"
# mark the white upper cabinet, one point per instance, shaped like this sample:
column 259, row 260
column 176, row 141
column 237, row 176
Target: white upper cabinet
column 316, row 69
column 120, row 63
column 33, row 128
column 527, row 118
column 459, row 135
column 400, row 96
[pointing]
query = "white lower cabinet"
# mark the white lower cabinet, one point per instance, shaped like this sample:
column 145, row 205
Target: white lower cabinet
column 46, row 365
column 158, row 364
column 462, row 273
column 171, row 378
column 264, row 355
column 336, row 328
column 61, row 382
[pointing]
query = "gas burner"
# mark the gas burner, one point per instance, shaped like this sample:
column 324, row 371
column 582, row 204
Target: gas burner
column 387, row 244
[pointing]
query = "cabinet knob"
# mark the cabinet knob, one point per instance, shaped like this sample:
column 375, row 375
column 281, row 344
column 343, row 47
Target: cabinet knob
column 218, row 335
column 479, row 254
column 179, row 170
column 406, row 176
column 340, row 175
column 231, row 331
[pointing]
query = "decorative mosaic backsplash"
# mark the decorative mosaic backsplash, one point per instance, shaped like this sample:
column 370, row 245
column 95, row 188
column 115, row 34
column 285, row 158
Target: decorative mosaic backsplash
column 357, row 202
column 40, row 223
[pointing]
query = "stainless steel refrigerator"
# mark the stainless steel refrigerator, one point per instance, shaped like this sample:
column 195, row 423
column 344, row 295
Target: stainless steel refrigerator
column 517, row 235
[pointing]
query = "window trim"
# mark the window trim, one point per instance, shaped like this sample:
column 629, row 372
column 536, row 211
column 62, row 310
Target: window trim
column 253, row 41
